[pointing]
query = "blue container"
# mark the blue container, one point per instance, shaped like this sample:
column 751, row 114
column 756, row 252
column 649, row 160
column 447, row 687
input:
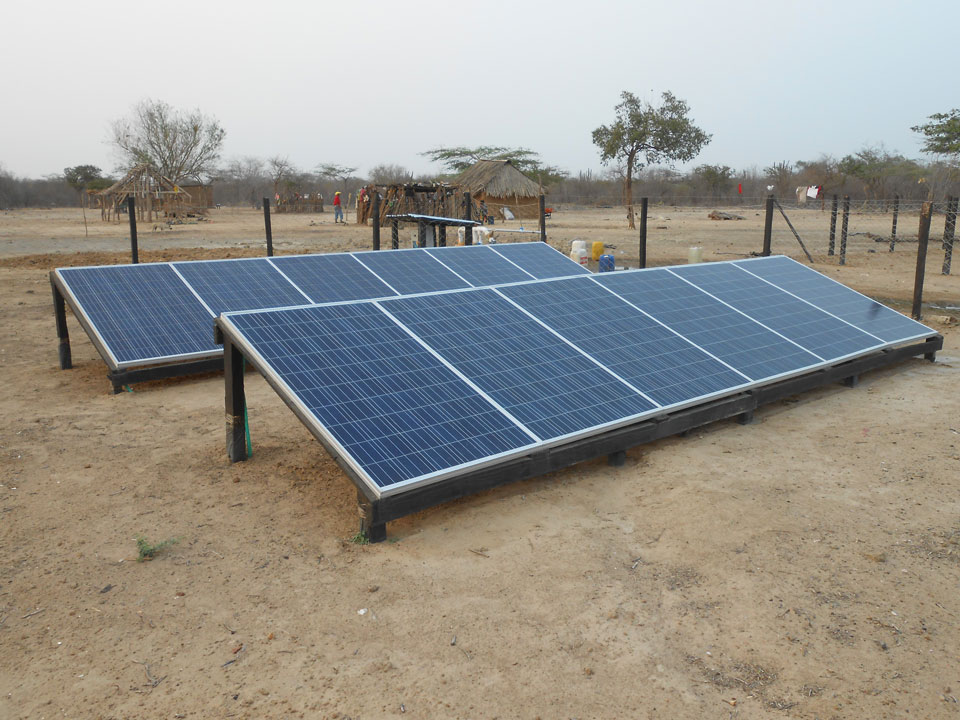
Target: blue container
column 607, row 263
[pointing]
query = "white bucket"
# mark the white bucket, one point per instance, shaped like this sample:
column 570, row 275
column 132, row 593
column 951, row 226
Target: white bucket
column 695, row 255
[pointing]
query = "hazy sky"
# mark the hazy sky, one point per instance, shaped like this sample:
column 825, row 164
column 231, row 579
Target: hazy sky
column 378, row 82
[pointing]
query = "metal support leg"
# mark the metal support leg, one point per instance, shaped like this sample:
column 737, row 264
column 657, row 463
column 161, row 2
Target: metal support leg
column 617, row 459
column 371, row 525
column 745, row 418
column 234, row 401
column 852, row 381
column 60, row 313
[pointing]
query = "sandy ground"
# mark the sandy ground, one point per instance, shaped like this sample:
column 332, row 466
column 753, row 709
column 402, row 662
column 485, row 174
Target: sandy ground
column 807, row 565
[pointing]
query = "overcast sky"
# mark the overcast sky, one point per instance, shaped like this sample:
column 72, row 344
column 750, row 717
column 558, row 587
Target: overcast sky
column 363, row 83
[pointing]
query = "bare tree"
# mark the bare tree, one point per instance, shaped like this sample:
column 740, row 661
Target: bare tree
column 178, row 144
column 386, row 174
column 279, row 168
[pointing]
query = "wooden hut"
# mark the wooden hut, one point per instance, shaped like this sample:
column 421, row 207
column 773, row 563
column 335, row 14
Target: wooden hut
column 437, row 199
column 153, row 194
column 499, row 185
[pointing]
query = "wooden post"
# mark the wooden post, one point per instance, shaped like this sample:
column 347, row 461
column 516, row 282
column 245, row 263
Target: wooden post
column 643, row 232
column 832, row 245
column 421, row 234
column 843, row 230
column 768, row 227
column 63, row 334
column 235, row 401
column 132, row 213
column 441, row 235
column 949, row 229
column 467, row 215
column 376, row 218
column 266, row 226
column 395, row 234
column 543, row 218
column 893, row 230
column 923, row 236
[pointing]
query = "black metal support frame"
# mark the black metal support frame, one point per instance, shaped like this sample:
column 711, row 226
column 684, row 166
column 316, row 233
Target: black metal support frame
column 377, row 512
column 124, row 376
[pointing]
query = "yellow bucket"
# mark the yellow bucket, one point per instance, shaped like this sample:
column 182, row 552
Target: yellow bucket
column 597, row 250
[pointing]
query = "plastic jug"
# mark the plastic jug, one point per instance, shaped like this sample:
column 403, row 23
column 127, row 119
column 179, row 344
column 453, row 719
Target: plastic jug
column 580, row 255
column 607, row 263
column 597, row 249
column 695, row 255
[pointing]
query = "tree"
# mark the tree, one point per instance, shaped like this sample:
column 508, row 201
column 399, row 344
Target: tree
column 717, row 178
column 874, row 166
column 457, row 159
column 279, row 168
column 387, row 174
column 179, row 145
column 652, row 133
column 780, row 175
column 942, row 133
column 332, row 171
column 79, row 176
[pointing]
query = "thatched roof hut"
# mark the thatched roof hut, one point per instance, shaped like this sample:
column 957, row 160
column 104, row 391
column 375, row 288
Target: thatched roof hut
column 500, row 185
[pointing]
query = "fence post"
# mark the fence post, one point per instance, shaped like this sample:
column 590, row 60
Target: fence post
column 132, row 213
column 395, row 234
column 643, row 232
column 843, row 230
column 949, row 228
column 543, row 218
column 768, row 227
column 266, row 226
column 893, row 230
column 832, row 246
column 922, row 237
column 467, row 212
column 376, row 218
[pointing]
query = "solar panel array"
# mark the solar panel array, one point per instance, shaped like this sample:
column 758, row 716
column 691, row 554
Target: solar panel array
column 162, row 312
column 414, row 389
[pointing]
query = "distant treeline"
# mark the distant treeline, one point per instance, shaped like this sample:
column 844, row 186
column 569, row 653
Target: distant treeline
column 867, row 175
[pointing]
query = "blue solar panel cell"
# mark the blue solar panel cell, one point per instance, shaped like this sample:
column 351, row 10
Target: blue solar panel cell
column 538, row 378
column 411, row 271
column 540, row 260
column 388, row 402
column 829, row 295
column 740, row 342
column 479, row 265
column 824, row 335
column 141, row 312
column 331, row 278
column 654, row 359
column 231, row 285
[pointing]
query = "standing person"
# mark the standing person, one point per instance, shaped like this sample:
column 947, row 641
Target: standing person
column 338, row 209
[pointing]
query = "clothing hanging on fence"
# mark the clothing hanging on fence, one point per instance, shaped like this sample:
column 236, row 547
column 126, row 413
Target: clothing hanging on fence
column 814, row 191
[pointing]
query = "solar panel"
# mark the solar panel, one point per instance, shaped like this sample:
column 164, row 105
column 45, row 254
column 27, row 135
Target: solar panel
column 247, row 284
column 546, row 383
column 479, row 265
column 142, row 314
column 720, row 330
column 540, row 260
column 826, row 336
column 332, row 278
column 666, row 367
column 394, row 409
column 411, row 271
column 839, row 300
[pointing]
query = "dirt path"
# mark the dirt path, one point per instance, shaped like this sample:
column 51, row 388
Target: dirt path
column 803, row 566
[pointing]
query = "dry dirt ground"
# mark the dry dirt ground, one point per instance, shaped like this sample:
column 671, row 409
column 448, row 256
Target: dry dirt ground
column 804, row 566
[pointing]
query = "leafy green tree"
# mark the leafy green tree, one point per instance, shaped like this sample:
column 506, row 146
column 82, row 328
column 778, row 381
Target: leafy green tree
column 80, row 176
column 457, row 159
column 178, row 144
column 655, row 134
column 716, row 177
column 941, row 134
column 874, row 167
